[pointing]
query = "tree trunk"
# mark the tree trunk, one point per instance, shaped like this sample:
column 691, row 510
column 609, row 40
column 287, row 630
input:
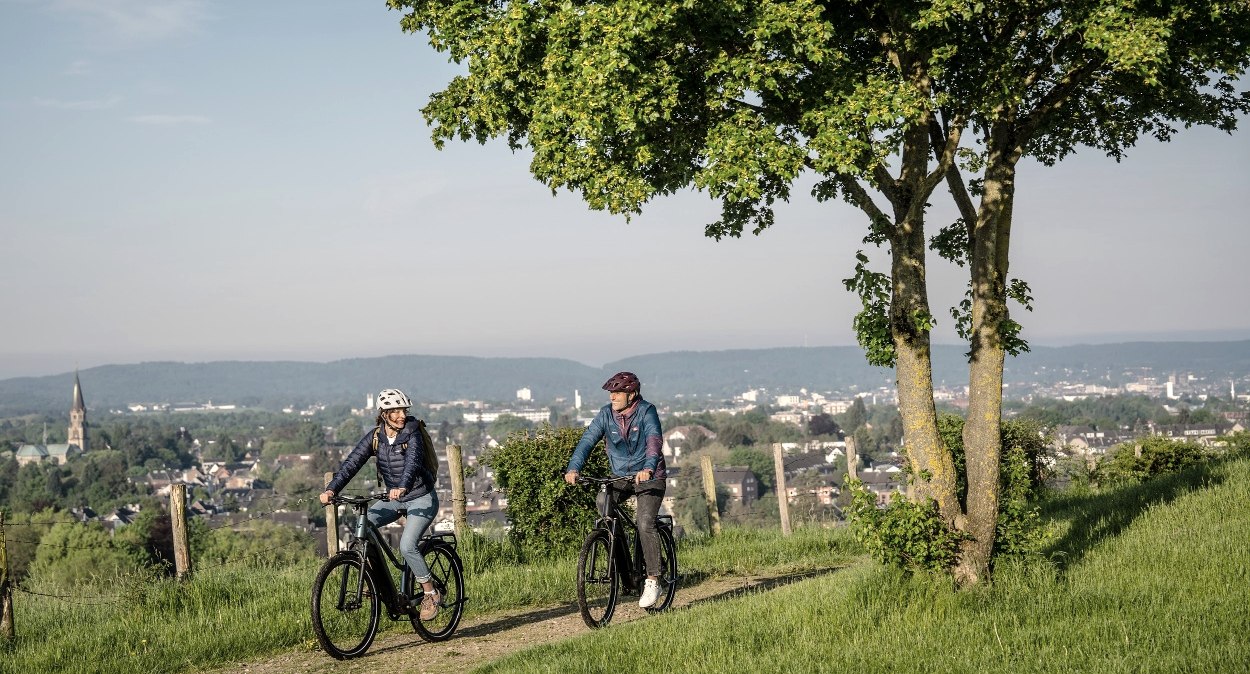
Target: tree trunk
column 932, row 465
column 982, row 430
column 933, row 468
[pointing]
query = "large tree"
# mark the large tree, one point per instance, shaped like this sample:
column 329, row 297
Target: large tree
column 622, row 101
column 1041, row 79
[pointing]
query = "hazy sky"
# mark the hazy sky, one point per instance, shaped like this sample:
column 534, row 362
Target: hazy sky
column 233, row 179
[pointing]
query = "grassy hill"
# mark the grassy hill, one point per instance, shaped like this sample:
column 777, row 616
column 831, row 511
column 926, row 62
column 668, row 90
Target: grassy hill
column 1148, row 578
column 275, row 384
column 1144, row 578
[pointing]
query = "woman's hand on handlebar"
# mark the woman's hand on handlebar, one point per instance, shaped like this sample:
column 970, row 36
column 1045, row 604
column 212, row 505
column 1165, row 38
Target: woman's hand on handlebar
column 326, row 496
column 571, row 477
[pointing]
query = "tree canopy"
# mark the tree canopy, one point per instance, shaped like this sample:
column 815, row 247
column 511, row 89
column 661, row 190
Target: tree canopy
column 623, row 101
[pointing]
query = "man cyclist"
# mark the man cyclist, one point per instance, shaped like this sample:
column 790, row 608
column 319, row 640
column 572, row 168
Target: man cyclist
column 397, row 442
column 630, row 428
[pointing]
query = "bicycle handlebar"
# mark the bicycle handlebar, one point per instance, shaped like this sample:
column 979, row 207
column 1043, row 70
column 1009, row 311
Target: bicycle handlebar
column 351, row 499
column 586, row 479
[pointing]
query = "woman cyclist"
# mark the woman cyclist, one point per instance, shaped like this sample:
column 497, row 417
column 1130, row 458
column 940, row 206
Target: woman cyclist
column 397, row 443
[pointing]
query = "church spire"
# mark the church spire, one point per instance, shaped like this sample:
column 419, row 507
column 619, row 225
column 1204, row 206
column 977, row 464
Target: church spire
column 77, row 434
column 78, row 403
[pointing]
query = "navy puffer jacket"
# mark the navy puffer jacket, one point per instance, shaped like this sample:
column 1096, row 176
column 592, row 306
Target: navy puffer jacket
column 400, row 463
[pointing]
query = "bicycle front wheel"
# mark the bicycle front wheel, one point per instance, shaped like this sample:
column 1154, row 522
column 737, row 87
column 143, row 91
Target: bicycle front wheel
column 345, row 607
column 448, row 577
column 598, row 582
column 666, row 575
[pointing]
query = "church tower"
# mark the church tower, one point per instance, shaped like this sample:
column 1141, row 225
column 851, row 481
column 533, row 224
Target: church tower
column 77, row 434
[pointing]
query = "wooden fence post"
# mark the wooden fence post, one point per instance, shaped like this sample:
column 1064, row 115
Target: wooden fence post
column 852, row 458
column 709, row 492
column 6, row 591
column 783, row 498
column 332, row 524
column 178, row 526
column 459, row 516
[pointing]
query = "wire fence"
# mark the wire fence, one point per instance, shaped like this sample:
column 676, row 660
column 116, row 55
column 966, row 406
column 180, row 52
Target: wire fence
column 278, row 504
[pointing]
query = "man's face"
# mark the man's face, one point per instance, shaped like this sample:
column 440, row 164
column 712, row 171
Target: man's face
column 620, row 399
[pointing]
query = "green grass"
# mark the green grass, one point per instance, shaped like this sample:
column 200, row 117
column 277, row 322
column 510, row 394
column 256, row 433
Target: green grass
column 233, row 612
column 1149, row 577
column 1153, row 579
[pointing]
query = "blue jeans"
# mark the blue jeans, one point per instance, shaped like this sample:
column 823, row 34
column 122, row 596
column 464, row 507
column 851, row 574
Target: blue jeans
column 421, row 512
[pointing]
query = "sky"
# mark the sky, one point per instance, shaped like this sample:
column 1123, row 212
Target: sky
column 199, row 180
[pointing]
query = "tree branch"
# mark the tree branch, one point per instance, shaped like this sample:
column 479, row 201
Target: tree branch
column 954, row 177
column 857, row 195
column 748, row 106
column 948, row 145
column 1056, row 98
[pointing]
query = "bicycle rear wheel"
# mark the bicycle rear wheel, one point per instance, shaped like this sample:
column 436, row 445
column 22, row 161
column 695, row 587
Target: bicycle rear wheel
column 666, row 575
column 345, row 607
column 598, row 582
column 448, row 577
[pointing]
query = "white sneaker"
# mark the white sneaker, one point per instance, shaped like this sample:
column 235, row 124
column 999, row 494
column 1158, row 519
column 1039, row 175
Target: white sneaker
column 650, row 592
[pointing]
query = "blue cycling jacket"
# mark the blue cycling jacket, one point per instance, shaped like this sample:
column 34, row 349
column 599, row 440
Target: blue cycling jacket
column 627, row 454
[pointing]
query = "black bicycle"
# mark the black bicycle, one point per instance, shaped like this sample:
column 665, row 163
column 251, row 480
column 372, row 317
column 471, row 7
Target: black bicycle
column 352, row 586
column 611, row 560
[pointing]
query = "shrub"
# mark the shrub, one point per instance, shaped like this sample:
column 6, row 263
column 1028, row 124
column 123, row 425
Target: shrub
column 1159, row 455
column 913, row 536
column 904, row 534
column 548, row 516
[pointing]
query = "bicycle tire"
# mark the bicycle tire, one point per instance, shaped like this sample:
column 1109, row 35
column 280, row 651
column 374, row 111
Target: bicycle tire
column 667, row 574
column 447, row 573
column 345, row 624
column 598, row 582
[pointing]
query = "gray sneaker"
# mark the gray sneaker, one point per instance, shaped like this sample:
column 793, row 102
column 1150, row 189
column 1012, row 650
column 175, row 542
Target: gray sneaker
column 650, row 593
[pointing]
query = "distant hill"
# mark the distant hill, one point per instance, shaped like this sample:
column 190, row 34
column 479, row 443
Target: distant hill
column 273, row 384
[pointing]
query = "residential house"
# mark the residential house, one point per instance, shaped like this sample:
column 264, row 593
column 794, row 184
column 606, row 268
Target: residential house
column 883, row 480
column 743, row 486
column 1206, row 434
column 679, row 438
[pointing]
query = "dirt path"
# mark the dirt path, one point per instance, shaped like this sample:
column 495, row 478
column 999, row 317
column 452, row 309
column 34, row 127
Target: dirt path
column 488, row 638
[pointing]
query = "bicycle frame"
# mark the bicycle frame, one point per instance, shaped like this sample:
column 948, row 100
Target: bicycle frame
column 621, row 528
column 366, row 542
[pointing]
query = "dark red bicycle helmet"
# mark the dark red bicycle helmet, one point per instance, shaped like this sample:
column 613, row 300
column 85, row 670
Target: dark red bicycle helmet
column 622, row 381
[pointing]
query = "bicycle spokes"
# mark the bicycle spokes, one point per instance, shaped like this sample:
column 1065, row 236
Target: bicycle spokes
column 447, row 576
column 345, row 607
column 598, row 582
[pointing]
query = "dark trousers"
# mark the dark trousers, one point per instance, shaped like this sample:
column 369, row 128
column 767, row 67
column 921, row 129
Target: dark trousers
column 649, row 494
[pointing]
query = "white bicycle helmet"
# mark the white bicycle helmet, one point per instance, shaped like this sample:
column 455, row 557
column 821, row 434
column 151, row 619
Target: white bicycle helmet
column 393, row 398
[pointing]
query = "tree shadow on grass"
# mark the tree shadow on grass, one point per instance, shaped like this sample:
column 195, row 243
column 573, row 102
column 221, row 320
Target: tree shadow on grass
column 505, row 623
column 762, row 585
column 501, row 624
column 1096, row 518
